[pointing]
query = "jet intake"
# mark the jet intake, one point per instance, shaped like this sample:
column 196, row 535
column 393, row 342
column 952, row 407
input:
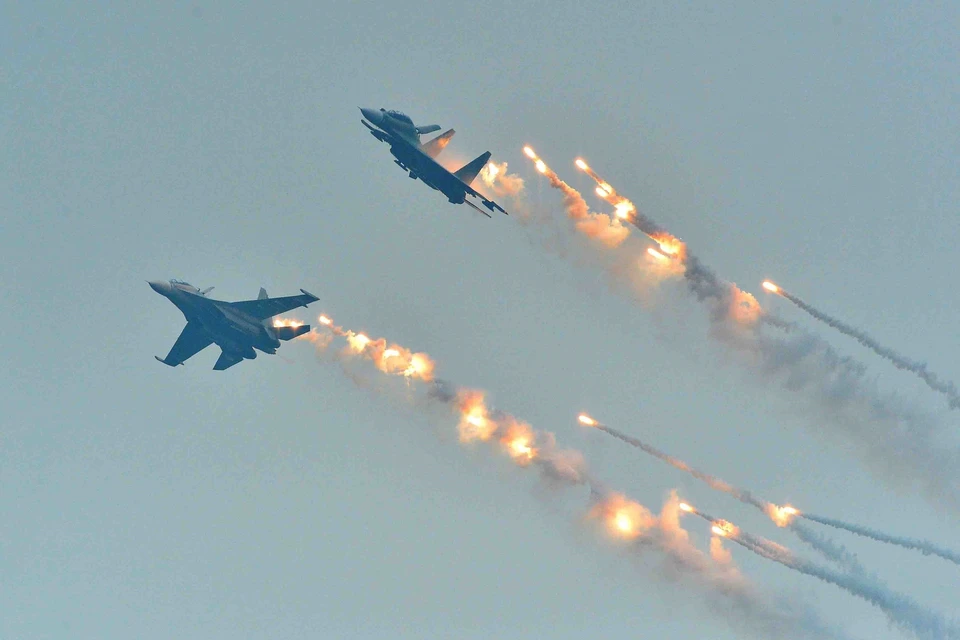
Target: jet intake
column 289, row 333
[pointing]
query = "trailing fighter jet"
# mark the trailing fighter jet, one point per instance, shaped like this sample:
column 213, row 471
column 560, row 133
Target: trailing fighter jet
column 236, row 327
column 398, row 130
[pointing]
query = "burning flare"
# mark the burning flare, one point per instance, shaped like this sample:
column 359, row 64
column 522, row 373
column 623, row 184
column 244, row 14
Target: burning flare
column 358, row 341
column 656, row 254
column 623, row 517
column 518, row 440
column 475, row 423
column 781, row 516
column 769, row 286
column 287, row 322
column 391, row 359
column 587, row 420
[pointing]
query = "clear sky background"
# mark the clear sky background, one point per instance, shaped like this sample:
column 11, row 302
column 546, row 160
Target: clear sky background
column 221, row 144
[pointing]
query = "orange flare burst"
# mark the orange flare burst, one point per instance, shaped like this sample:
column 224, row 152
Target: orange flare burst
column 669, row 245
column 724, row 528
column 623, row 522
column 624, row 518
column 685, row 507
column 492, row 170
column 586, row 420
column 421, row 366
column 324, row 320
column 358, row 341
column 581, row 164
column 781, row 516
column 530, row 153
column 521, row 447
column 744, row 308
column 518, row 440
column 624, row 209
column 474, row 421
column 769, row 286
column 541, row 166
column 656, row 254
column 390, row 353
column 287, row 322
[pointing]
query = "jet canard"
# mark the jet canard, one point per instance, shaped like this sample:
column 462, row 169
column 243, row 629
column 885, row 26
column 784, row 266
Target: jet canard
column 418, row 159
column 236, row 327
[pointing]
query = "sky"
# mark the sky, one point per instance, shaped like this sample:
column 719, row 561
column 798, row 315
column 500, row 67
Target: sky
column 811, row 144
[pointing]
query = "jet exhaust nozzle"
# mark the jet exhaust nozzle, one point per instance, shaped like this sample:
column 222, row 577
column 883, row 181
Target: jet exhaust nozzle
column 289, row 333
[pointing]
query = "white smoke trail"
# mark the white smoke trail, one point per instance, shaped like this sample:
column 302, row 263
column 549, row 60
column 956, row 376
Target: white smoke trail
column 947, row 388
column 899, row 609
column 923, row 546
column 779, row 514
column 841, row 401
column 828, row 548
column 736, row 599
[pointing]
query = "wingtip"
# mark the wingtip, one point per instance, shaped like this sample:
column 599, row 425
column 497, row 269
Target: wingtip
column 307, row 293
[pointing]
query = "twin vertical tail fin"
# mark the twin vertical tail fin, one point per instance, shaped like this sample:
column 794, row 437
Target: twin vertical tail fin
column 468, row 172
column 438, row 144
column 263, row 294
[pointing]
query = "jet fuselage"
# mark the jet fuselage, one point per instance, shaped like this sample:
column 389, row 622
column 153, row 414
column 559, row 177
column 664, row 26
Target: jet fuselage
column 228, row 328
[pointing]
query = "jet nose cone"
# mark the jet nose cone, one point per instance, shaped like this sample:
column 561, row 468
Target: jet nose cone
column 372, row 115
column 158, row 286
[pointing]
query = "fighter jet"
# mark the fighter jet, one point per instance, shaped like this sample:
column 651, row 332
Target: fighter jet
column 236, row 327
column 398, row 130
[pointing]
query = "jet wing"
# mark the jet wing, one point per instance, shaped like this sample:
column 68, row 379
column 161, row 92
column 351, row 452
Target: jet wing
column 269, row 307
column 192, row 340
column 226, row 360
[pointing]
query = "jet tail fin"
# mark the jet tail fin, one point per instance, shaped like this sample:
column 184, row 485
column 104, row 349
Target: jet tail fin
column 468, row 172
column 438, row 144
column 263, row 294
column 289, row 333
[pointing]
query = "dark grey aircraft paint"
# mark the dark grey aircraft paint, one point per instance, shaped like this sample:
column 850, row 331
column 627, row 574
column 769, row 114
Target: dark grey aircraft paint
column 398, row 130
column 236, row 327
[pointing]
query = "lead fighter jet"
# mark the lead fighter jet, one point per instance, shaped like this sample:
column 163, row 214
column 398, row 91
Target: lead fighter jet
column 236, row 327
column 398, row 130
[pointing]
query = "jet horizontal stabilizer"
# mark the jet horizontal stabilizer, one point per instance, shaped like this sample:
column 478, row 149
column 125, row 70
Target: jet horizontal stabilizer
column 429, row 128
column 289, row 333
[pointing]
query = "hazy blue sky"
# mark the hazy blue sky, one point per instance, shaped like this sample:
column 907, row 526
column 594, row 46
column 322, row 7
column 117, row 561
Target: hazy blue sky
column 812, row 144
